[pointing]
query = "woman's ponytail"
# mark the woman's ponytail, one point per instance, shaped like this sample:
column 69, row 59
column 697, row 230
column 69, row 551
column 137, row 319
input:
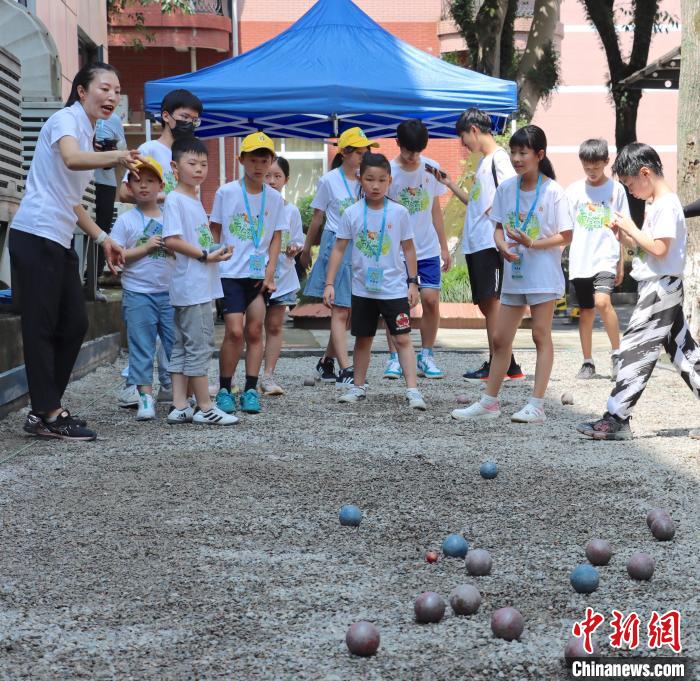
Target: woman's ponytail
column 84, row 77
column 546, row 168
column 337, row 161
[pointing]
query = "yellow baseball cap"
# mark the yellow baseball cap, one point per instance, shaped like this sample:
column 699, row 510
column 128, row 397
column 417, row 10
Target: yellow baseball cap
column 354, row 137
column 257, row 140
column 150, row 163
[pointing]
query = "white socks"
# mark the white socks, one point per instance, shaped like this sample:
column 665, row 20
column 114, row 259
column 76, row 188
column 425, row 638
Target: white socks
column 537, row 402
column 488, row 401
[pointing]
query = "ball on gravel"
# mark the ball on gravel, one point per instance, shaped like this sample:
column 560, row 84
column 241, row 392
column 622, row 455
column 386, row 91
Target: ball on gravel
column 429, row 607
column 463, row 399
column 567, row 398
column 640, row 566
column 663, row 528
column 478, row 562
column 309, row 382
column 656, row 513
column 584, row 578
column 431, row 556
column 574, row 649
column 507, row 623
column 350, row 515
column 599, row 551
column 455, row 546
column 488, row 470
column 465, row 599
column 362, row 638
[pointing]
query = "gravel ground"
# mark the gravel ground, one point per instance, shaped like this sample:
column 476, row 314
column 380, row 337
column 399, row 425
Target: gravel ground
column 184, row 553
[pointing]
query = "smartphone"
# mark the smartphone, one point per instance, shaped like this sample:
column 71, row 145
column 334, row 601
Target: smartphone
column 214, row 247
column 434, row 171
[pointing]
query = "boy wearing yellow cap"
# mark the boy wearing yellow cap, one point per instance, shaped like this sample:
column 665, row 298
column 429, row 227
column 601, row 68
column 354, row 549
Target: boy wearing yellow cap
column 249, row 216
column 145, row 281
column 337, row 190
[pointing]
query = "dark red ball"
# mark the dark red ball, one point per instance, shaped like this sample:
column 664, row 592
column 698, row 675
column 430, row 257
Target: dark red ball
column 362, row 639
column 429, row 607
column 574, row 649
column 432, row 556
column 599, row 551
column 656, row 513
column 507, row 623
column 663, row 528
column 641, row 566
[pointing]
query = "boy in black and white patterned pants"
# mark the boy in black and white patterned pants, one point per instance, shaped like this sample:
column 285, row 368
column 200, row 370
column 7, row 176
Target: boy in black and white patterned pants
column 658, row 321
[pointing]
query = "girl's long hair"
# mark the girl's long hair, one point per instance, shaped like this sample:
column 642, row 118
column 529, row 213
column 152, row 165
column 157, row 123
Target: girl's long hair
column 533, row 137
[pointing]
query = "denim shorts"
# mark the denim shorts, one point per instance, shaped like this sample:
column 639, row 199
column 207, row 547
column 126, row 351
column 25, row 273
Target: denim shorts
column 317, row 278
column 286, row 299
column 518, row 299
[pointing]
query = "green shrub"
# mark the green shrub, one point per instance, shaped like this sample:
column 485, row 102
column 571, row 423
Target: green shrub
column 455, row 285
column 304, row 206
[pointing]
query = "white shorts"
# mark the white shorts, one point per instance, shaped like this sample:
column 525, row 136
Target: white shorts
column 519, row 299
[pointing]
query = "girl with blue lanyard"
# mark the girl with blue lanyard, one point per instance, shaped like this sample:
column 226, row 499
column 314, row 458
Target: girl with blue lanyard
column 337, row 191
column 533, row 224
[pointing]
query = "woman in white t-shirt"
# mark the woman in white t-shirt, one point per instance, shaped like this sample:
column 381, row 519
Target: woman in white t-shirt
column 45, row 266
column 533, row 224
column 337, row 190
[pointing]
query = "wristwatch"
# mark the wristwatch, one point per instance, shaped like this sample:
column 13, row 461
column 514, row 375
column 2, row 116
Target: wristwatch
column 412, row 280
column 204, row 256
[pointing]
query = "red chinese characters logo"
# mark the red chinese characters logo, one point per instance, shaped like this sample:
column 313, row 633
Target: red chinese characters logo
column 587, row 627
column 625, row 630
column 665, row 630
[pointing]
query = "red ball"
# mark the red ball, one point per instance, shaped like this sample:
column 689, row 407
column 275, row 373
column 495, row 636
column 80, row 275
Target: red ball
column 465, row 600
column 574, row 649
column 599, row 551
column 429, row 607
column 432, row 556
column 656, row 513
column 362, row 639
column 640, row 566
column 663, row 528
column 507, row 623
column 478, row 562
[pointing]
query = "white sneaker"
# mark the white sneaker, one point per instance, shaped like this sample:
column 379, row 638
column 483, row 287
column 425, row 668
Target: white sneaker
column 477, row 411
column 147, row 409
column 415, row 399
column 393, row 368
column 529, row 414
column 180, row 415
column 353, row 394
column 165, row 394
column 128, row 396
column 214, row 417
column 269, row 387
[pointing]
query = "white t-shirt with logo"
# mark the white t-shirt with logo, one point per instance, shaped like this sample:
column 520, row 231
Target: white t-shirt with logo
column 416, row 190
column 540, row 269
column 236, row 230
column 333, row 198
column 164, row 155
column 663, row 220
column 52, row 190
column 478, row 228
column 152, row 273
column 286, row 274
column 594, row 247
column 193, row 282
column 398, row 229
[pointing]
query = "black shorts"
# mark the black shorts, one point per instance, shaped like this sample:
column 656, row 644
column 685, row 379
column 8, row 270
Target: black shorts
column 586, row 287
column 365, row 312
column 240, row 293
column 485, row 274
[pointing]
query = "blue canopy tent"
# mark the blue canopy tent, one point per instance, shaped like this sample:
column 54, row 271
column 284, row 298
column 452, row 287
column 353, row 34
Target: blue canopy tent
column 333, row 69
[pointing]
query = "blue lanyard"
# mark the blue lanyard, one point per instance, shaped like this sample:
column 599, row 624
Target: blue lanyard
column 377, row 254
column 532, row 207
column 347, row 186
column 256, row 230
column 147, row 225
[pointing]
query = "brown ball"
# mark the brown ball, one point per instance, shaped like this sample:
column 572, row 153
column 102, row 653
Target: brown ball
column 362, row 638
column 429, row 607
column 574, row 649
column 507, row 623
column 465, row 599
column 599, row 551
column 656, row 513
column 640, row 566
column 478, row 562
column 663, row 528
column 567, row 398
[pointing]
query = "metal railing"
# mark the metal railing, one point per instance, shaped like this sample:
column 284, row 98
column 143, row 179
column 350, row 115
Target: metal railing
column 207, row 7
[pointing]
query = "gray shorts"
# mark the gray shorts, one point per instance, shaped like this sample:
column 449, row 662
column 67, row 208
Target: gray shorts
column 518, row 299
column 194, row 340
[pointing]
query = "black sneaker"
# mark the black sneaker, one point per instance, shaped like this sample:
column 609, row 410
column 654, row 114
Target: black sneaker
column 325, row 370
column 346, row 378
column 610, row 427
column 514, row 373
column 32, row 423
column 66, row 427
column 481, row 374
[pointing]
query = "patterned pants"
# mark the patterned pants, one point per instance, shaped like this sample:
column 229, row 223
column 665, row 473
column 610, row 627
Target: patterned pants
column 657, row 321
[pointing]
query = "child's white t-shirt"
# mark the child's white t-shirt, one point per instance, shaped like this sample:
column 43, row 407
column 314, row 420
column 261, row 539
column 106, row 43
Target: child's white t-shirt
column 333, row 197
column 164, row 156
column 594, row 247
column 663, row 219
column 541, row 269
column 230, row 212
column 286, row 277
column 416, row 190
column 478, row 228
column 152, row 273
column 398, row 229
column 193, row 282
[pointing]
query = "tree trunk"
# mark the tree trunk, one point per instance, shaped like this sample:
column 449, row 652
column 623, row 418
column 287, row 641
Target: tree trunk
column 688, row 140
column 544, row 22
column 489, row 26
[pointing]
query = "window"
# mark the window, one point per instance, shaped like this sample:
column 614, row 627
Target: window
column 308, row 160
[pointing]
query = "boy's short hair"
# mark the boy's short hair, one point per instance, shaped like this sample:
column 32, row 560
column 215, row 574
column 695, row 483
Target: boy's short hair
column 372, row 160
column 636, row 156
column 476, row 117
column 188, row 145
column 412, row 135
column 181, row 99
column 258, row 152
column 593, row 150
